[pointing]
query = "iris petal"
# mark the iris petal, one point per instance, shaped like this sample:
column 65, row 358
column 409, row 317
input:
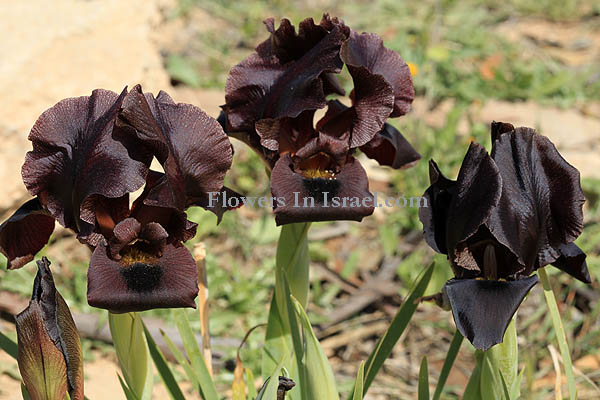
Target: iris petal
column 265, row 86
column 76, row 155
column 572, row 261
column 390, row 148
column 293, row 188
column 483, row 309
column 382, row 84
column 541, row 191
column 162, row 282
column 25, row 233
column 434, row 217
column 191, row 146
column 478, row 189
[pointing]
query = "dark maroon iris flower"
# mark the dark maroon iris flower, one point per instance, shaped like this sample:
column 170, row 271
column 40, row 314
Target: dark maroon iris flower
column 508, row 213
column 89, row 153
column 271, row 99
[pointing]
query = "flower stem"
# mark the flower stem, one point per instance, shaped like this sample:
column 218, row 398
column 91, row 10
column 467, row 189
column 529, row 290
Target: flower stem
column 200, row 258
column 559, row 332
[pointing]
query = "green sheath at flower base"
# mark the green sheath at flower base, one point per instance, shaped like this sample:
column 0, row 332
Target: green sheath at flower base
column 49, row 349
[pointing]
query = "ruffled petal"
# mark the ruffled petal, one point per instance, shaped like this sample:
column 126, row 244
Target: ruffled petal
column 163, row 282
column 262, row 86
column 482, row 309
column 367, row 50
column 290, row 189
column 390, row 148
column 25, row 233
column 76, row 155
column 382, row 84
column 540, row 191
column 191, row 146
column 572, row 261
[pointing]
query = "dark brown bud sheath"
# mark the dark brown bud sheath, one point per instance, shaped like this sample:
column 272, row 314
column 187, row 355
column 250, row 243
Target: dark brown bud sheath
column 285, row 384
column 49, row 349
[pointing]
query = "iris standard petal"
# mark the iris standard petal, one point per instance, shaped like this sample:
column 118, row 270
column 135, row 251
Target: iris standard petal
column 366, row 50
column 434, row 217
column 144, row 281
column 478, row 189
column 263, row 87
column 191, row 146
column 25, row 233
column 482, row 309
column 541, row 191
column 75, row 155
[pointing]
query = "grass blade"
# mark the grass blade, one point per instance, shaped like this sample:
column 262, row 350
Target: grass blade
column 181, row 360
column 386, row 343
column 424, row 380
column 358, row 384
column 8, row 345
column 163, row 368
column 559, row 332
column 457, row 340
column 195, row 355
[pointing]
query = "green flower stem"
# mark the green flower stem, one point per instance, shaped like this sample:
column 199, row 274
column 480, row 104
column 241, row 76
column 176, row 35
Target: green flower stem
column 559, row 332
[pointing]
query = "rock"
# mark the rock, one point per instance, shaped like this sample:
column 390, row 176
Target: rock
column 67, row 49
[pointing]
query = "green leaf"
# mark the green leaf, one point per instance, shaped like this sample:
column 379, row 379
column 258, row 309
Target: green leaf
column 25, row 393
column 132, row 352
column 8, row 345
column 128, row 393
column 250, row 384
column 181, row 360
column 319, row 376
column 292, row 260
column 386, row 343
column 504, row 387
column 506, row 355
column 457, row 340
column 491, row 384
column 297, row 342
column 269, row 388
column 423, row 380
column 163, row 368
column 473, row 389
column 358, row 383
column 559, row 332
column 195, row 355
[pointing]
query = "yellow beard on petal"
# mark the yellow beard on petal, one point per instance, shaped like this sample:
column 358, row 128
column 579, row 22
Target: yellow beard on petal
column 318, row 173
column 134, row 255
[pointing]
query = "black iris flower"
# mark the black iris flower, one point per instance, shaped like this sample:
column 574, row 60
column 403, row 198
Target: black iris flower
column 89, row 153
column 271, row 99
column 507, row 214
